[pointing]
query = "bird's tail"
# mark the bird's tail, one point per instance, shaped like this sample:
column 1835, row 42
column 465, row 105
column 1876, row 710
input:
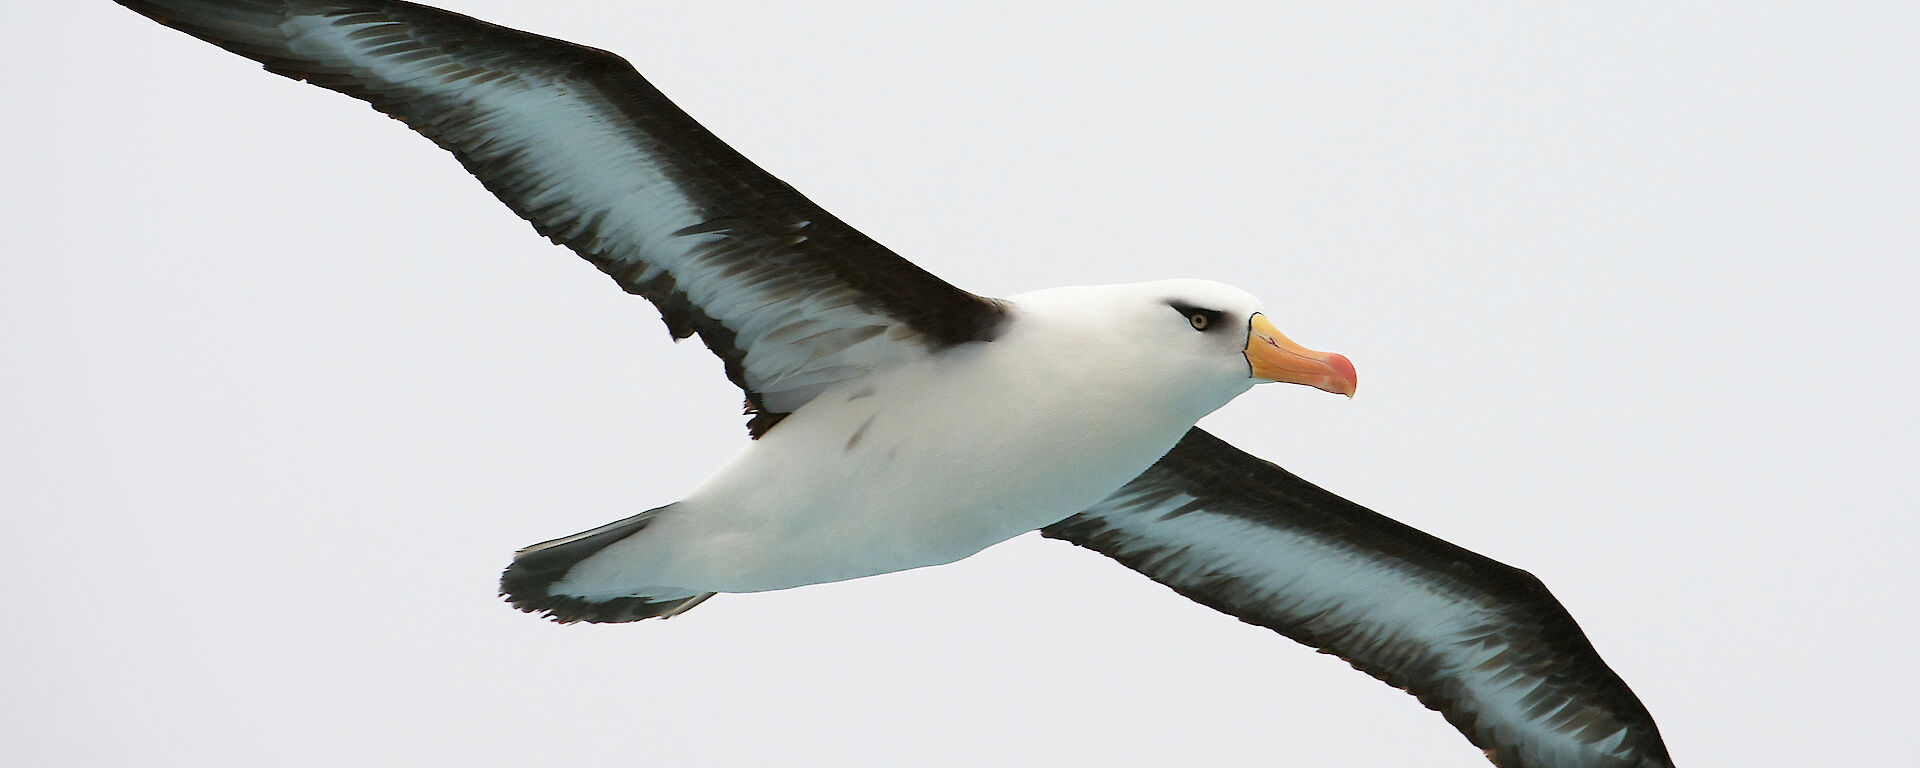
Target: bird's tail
column 530, row 582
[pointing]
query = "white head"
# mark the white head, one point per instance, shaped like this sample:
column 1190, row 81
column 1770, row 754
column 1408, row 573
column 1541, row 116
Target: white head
column 1200, row 342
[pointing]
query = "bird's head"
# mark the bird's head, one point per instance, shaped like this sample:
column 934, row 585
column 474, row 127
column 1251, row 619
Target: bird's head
column 1222, row 328
column 1207, row 339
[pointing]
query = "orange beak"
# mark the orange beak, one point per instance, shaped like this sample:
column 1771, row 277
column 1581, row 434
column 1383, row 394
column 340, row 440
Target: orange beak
column 1274, row 357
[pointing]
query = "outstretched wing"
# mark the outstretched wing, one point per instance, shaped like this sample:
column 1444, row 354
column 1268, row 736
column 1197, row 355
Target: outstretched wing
column 578, row 143
column 1483, row 643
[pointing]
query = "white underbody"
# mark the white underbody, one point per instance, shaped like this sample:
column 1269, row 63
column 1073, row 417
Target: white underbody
column 919, row 465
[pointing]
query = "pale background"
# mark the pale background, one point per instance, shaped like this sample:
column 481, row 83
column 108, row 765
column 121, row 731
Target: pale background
column 1628, row 288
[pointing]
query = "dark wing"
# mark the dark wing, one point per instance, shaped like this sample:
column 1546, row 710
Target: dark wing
column 576, row 142
column 1483, row 643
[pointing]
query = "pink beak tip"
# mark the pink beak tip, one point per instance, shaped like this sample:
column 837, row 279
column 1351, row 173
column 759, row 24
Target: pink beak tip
column 1345, row 380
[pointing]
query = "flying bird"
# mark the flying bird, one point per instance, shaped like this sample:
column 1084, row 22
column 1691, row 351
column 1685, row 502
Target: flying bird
column 897, row 421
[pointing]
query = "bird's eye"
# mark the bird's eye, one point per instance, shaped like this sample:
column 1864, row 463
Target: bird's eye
column 1200, row 319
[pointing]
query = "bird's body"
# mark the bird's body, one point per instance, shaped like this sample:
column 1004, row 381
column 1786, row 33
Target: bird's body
column 933, row 460
column 901, row 422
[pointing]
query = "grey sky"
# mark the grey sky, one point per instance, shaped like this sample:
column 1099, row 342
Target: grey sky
column 1629, row 290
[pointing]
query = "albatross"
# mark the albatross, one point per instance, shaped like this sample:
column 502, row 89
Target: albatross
column 899, row 422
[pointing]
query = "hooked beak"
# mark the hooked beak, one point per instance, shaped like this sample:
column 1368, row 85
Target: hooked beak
column 1273, row 357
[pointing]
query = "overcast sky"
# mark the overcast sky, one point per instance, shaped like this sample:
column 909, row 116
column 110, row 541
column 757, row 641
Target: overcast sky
column 1629, row 289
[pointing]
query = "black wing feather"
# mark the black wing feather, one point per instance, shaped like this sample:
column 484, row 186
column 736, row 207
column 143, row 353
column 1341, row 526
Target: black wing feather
column 580, row 145
column 1483, row 643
